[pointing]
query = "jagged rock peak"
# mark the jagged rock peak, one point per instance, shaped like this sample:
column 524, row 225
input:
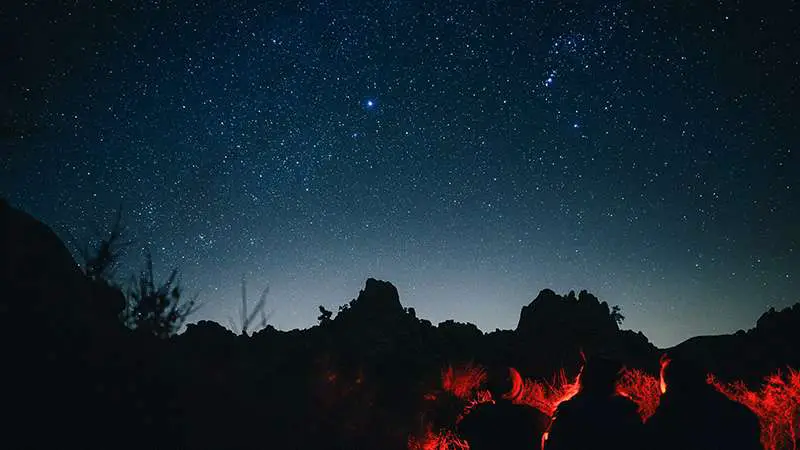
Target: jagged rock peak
column 546, row 295
column 550, row 311
column 773, row 320
column 378, row 296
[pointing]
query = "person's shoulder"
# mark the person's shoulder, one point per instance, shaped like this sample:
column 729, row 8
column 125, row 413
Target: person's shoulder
column 743, row 413
column 529, row 412
column 568, row 407
column 474, row 415
column 621, row 401
column 625, row 405
column 733, row 408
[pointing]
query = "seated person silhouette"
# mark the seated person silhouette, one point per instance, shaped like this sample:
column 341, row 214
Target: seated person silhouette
column 692, row 414
column 596, row 417
column 501, row 424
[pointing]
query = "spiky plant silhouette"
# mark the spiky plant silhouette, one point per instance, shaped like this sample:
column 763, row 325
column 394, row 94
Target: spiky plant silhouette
column 100, row 263
column 157, row 309
column 245, row 318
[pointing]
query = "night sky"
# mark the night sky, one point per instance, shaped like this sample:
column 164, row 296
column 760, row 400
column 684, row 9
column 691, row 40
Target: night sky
column 470, row 152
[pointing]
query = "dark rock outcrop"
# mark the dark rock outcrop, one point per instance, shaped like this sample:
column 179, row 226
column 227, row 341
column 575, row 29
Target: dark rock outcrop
column 70, row 365
column 554, row 330
column 749, row 355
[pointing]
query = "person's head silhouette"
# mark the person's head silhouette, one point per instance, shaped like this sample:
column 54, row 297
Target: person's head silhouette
column 681, row 375
column 504, row 383
column 599, row 375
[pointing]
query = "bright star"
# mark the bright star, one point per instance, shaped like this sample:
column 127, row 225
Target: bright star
column 550, row 78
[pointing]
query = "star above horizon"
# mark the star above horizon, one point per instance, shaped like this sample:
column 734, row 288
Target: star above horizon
column 645, row 153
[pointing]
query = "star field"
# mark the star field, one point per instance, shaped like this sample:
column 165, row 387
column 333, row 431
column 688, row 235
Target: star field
column 471, row 152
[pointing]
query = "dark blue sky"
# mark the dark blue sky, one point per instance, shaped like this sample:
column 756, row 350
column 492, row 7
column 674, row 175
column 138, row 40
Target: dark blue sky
column 472, row 153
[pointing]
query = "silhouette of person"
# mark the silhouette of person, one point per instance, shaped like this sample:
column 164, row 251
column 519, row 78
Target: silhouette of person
column 501, row 424
column 596, row 417
column 694, row 415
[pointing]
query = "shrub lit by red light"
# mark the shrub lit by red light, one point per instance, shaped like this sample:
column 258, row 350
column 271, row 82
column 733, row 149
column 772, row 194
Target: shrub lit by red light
column 777, row 403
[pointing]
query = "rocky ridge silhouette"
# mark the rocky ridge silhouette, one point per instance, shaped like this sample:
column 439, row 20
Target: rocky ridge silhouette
column 210, row 388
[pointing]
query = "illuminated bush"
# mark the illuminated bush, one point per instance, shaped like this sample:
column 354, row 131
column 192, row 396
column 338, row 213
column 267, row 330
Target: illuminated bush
column 460, row 391
column 777, row 405
column 546, row 396
column 642, row 388
column 463, row 381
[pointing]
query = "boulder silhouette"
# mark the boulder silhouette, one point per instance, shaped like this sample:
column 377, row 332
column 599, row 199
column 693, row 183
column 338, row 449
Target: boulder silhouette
column 42, row 282
column 67, row 345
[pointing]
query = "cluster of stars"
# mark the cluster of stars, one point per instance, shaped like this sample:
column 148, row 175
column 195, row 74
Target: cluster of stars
column 641, row 153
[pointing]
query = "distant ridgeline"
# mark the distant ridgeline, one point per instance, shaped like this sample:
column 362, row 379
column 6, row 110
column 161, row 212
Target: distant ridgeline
column 74, row 369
